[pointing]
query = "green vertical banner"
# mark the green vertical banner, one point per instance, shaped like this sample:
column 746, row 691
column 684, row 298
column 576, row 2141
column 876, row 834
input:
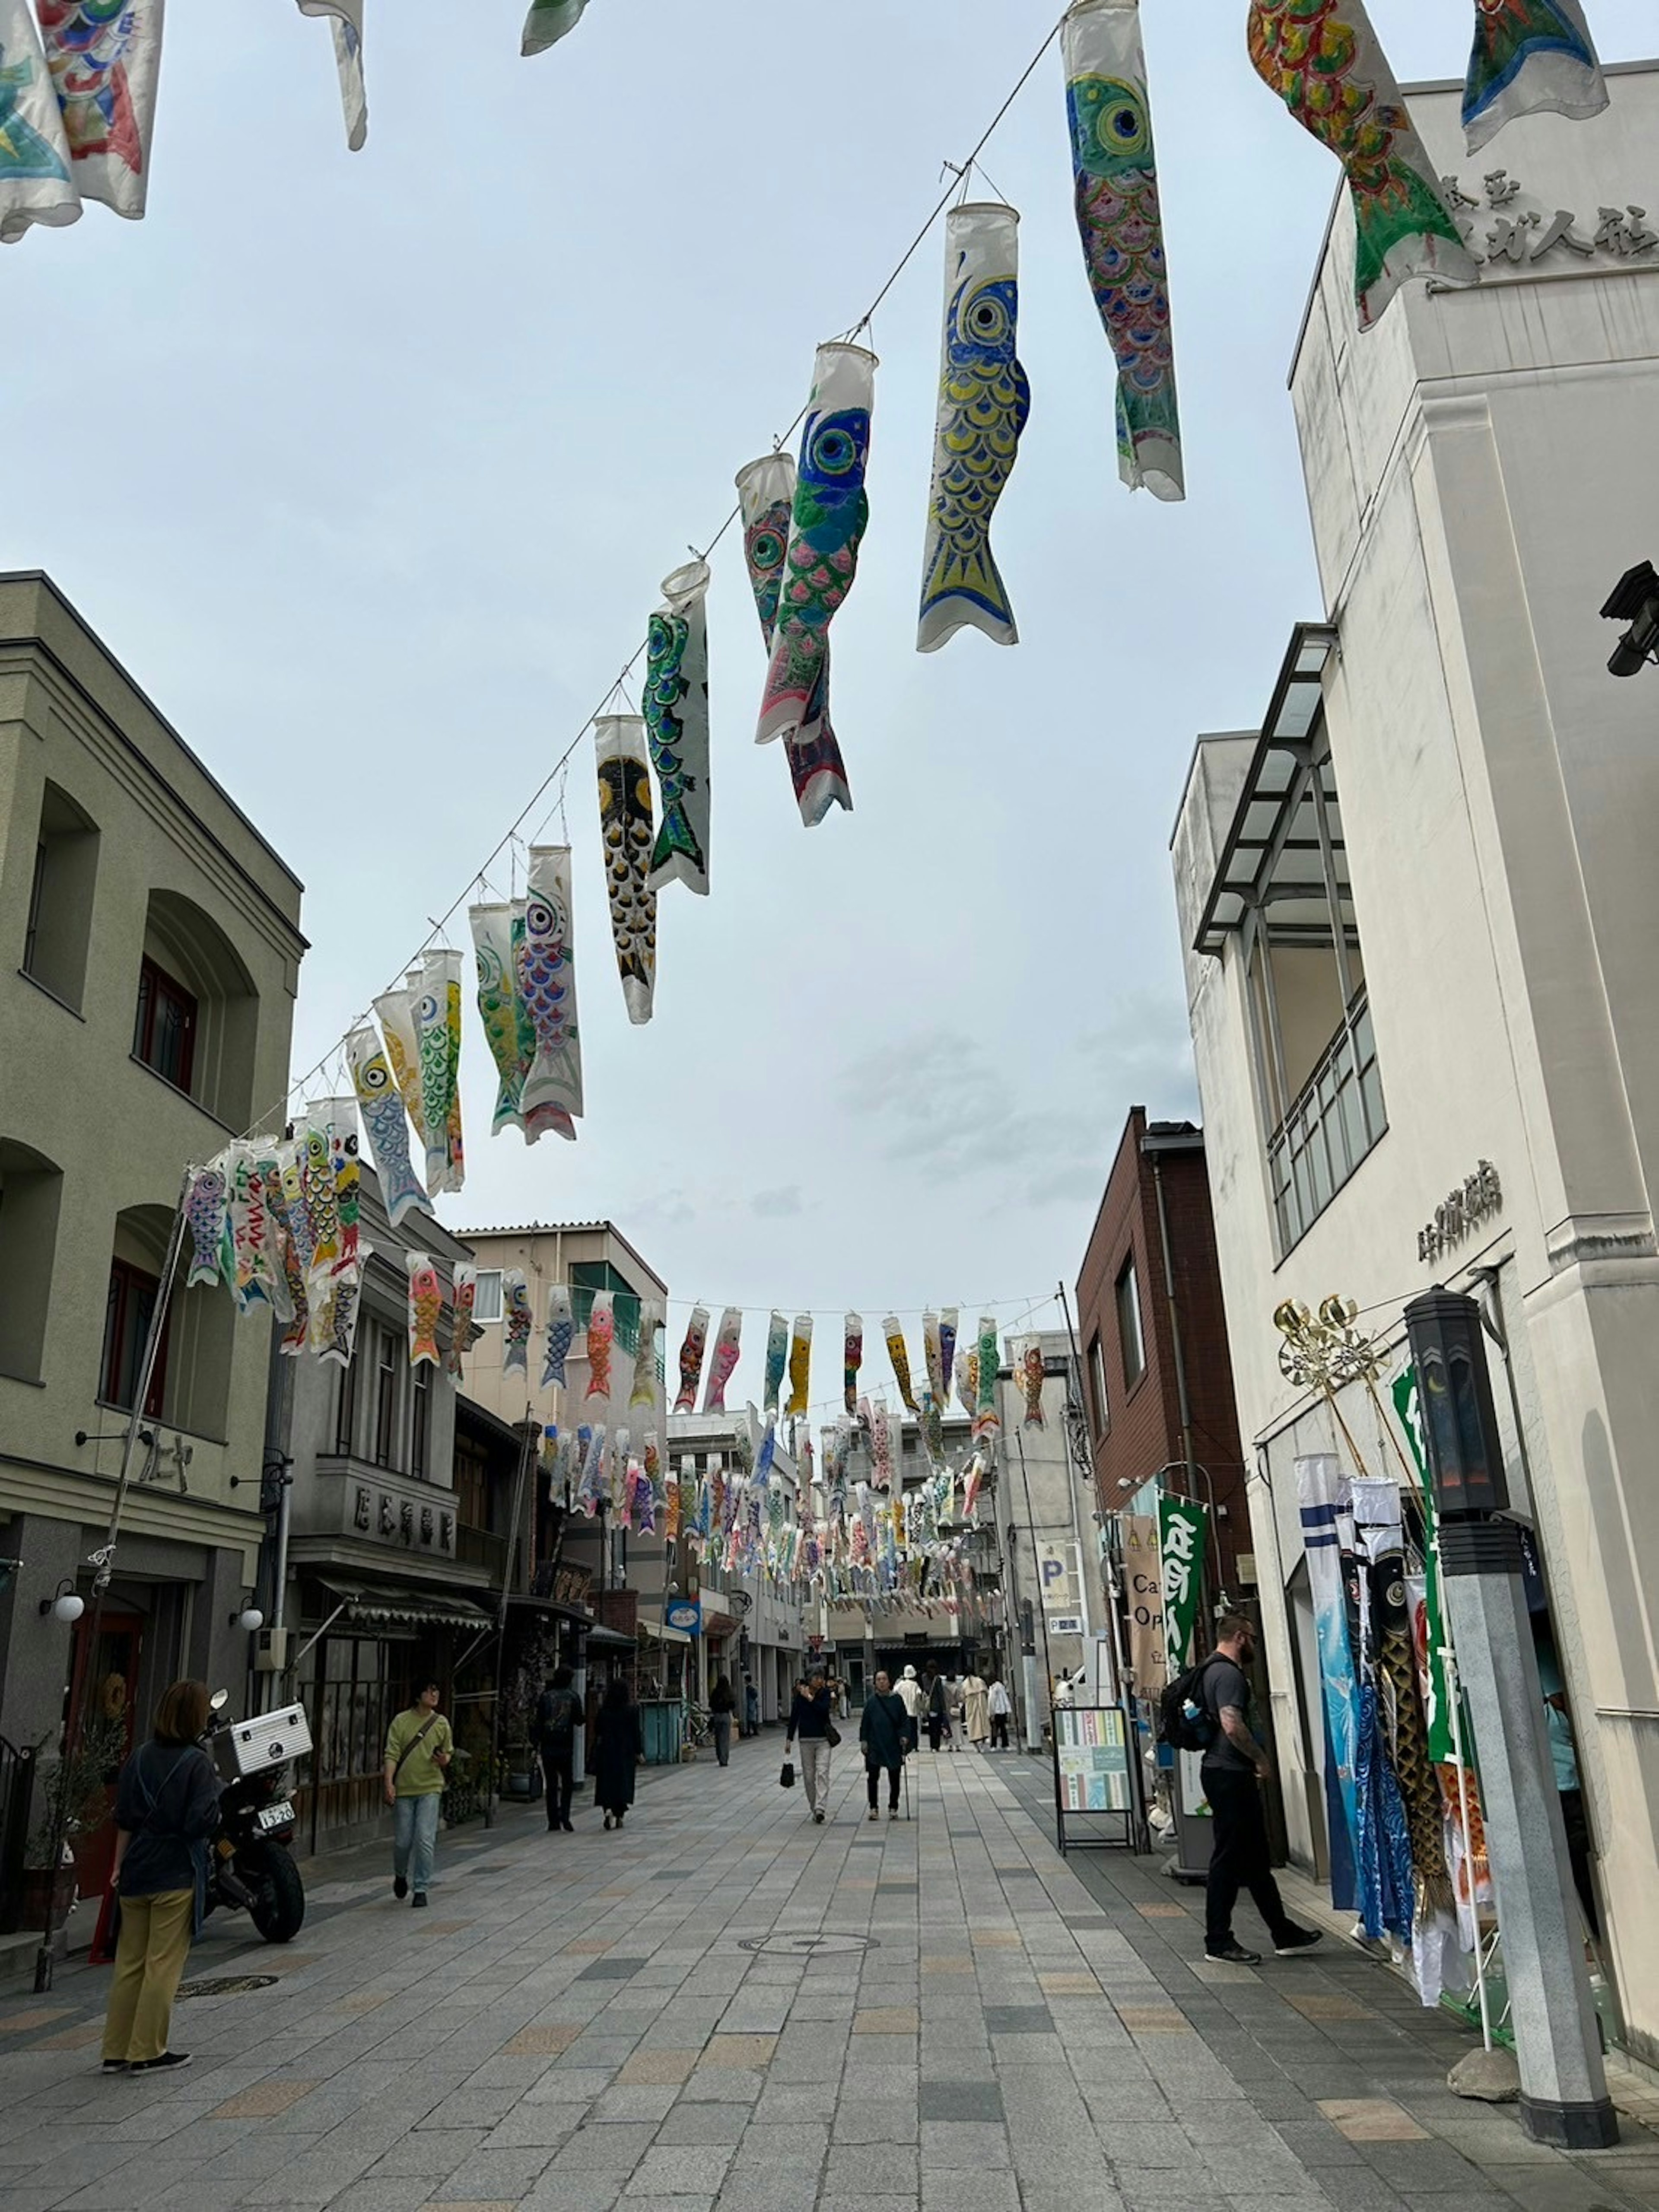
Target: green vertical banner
column 1181, row 1528
column 1437, row 1701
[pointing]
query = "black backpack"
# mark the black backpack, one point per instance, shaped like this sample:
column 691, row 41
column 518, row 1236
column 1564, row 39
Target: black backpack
column 1184, row 1720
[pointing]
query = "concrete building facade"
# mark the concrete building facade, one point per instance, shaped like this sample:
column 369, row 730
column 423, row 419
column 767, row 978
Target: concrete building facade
column 1419, row 906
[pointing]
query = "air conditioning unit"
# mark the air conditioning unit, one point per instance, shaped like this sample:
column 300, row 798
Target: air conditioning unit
column 271, row 1650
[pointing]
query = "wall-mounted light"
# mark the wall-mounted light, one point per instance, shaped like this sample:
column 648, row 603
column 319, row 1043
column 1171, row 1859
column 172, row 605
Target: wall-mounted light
column 65, row 1605
column 250, row 1619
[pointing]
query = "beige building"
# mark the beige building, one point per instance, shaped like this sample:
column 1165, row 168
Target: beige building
column 149, row 952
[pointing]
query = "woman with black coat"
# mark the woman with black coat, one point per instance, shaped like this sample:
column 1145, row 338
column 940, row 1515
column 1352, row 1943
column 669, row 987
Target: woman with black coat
column 618, row 1748
column 167, row 1805
column 884, row 1733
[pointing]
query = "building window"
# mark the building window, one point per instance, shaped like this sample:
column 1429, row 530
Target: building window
column 128, row 1313
column 1097, row 1400
column 1128, row 1327
column 587, row 1276
column 31, row 1187
column 487, row 1305
column 386, row 1398
column 58, row 928
column 164, row 1034
column 420, row 1426
column 345, row 1417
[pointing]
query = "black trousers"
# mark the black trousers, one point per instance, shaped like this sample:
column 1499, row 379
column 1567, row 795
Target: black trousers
column 556, row 1773
column 872, row 1774
column 721, row 1727
column 1577, row 1828
column 1239, row 1857
column 935, row 1729
column 999, row 1731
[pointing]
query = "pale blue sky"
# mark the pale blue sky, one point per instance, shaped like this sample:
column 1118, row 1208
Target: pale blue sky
column 370, row 466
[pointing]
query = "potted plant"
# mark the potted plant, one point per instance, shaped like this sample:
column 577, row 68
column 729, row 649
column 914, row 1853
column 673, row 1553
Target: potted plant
column 74, row 1801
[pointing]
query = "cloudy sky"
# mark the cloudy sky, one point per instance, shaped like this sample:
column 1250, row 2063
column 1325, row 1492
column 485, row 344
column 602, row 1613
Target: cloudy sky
column 368, row 467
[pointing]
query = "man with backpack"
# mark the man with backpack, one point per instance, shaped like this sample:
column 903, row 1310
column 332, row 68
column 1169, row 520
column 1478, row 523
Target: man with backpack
column 558, row 1713
column 1208, row 1709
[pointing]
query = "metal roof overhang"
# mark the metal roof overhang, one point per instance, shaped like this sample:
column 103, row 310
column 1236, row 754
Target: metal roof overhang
column 397, row 1607
column 1262, row 837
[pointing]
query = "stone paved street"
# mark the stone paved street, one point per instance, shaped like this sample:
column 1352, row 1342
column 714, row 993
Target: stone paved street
column 943, row 2014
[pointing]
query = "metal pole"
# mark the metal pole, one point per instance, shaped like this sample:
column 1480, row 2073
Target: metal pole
column 1183, row 1405
column 532, row 1430
column 103, row 1560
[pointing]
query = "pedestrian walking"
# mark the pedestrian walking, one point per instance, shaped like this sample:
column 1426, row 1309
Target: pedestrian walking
column 722, row 1703
column 167, row 1805
column 907, row 1690
column 418, row 1747
column 938, row 1719
column 750, row 1705
column 1000, row 1705
column 812, row 1719
column 558, row 1713
column 1234, row 1767
column 953, row 1702
column 976, row 1709
column 618, row 1748
column 884, row 1733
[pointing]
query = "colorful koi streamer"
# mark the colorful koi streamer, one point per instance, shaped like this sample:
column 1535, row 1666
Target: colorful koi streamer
column 766, row 492
column 36, row 180
column 467, row 1331
column 205, row 1217
column 1529, row 57
column 385, row 1119
column 1121, row 227
column 346, row 23
column 626, row 831
column 777, row 1358
column 947, row 1352
column 691, row 1356
column 931, row 1359
column 518, row 1322
column 544, row 966
column 727, row 1345
column 676, row 701
column 1030, row 1374
column 105, row 59
column 547, row 21
column 852, row 1358
column 896, row 1351
column 983, row 403
column 827, row 522
column 507, row 1027
column 423, row 1029
column 987, row 1422
column 561, row 1335
column 800, row 1363
column 426, row 1304
column 967, row 1380
column 601, row 1337
column 644, row 1390
column 1325, row 62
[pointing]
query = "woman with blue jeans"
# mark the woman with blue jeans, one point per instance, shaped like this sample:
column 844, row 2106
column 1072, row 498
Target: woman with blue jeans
column 418, row 1744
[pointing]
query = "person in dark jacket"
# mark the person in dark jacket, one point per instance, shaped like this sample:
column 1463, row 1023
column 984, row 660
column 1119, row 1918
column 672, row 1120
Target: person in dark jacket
column 558, row 1715
column 884, row 1733
column 722, row 1703
column 938, row 1708
column 167, row 1805
column 618, row 1748
column 750, row 1706
column 810, row 1718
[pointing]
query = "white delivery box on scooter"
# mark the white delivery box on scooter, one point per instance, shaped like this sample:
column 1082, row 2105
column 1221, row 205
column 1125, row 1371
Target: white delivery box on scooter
column 269, row 1739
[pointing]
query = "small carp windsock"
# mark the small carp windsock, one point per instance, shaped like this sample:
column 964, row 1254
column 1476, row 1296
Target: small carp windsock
column 898, row 1353
column 727, row 1345
column 691, row 1354
column 426, row 1303
column 800, row 1363
column 676, row 703
column 777, row 1359
column 1529, row 57
column 601, row 1337
column 1030, row 1383
column 518, row 1322
column 627, row 834
column 644, row 1389
column 987, row 1420
column 852, row 1360
column 561, row 1335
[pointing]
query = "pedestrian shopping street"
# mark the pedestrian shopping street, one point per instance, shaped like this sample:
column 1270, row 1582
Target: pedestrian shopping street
column 724, row 2007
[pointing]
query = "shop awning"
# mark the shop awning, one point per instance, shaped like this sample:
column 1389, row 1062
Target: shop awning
column 663, row 1635
column 396, row 1606
column 610, row 1639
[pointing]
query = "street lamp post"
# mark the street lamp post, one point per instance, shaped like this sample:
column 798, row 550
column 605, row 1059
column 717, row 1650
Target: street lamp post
column 1635, row 600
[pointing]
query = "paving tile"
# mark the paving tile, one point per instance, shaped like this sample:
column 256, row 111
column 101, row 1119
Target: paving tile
column 737, row 2051
column 263, row 2101
column 1068, row 1986
column 611, row 1969
column 1018, row 2020
column 547, row 2040
column 1371, row 2119
column 656, row 2066
column 1320, row 2005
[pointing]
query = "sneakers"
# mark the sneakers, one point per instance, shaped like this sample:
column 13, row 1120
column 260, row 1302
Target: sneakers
column 818, row 1817
column 892, row 1813
column 400, row 1886
column 566, row 1826
column 874, row 1813
column 1231, row 1953
column 119, row 2065
column 165, row 2063
column 419, row 1898
column 1295, row 1941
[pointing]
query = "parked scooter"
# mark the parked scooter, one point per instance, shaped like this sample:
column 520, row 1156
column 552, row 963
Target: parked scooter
column 250, row 1867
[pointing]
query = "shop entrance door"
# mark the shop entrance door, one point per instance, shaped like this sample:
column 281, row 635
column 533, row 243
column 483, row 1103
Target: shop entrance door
column 103, row 1705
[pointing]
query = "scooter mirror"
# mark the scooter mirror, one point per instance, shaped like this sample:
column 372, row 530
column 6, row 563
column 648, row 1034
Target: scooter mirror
column 218, row 1701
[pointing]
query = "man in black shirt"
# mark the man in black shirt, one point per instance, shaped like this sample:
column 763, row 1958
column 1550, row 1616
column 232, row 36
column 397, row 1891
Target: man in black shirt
column 1234, row 1767
column 810, row 1718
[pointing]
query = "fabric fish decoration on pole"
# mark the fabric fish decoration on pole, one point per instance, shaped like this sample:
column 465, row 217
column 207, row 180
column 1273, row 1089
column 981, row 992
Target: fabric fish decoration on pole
column 676, row 701
column 248, row 1219
column 105, row 59
column 692, row 1352
column 438, row 1033
column 1529, row 57
column 592, row 1487
column 766, row 495
column 800, row 1363
column 426, row 1303
column 381, row 1108
column 768, row 1453
column 931, row 1359
column 1122, row 228
column 625, row 829
column 727, row 1344
column 346, row 21
column 601, row 1337
column 1332, row 74
column 561, row 1335
column 204, row 1216
column 947, row 1352
column 987, row 1422
column 507, row 1032
column 545, row 973
column 826, row 523
column 967, row 1380
column 37, row 182
column 777, row 1358
column 983, row 403
column 644, row 1391
column 547, row 21
column 1030, row 1382
column 518, row 1321
column 900, row 1357
column 933, row 1429
column 851, row 1360
column 467, row 1331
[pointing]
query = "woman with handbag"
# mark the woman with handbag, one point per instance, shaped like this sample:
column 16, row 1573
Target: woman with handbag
column 418, row 1744
column 167, row 1805
column 618, row 1748
column 812, row 1719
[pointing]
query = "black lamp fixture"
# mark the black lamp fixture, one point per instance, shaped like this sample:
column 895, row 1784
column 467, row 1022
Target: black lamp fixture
column 1635, row 600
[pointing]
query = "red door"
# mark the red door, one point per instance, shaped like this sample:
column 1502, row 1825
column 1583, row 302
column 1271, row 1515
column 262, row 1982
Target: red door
column 105, row 1680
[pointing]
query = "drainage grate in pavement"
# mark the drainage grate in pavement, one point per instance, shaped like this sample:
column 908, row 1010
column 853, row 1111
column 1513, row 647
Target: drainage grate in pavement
column 226, row 1985
column 809, row 1947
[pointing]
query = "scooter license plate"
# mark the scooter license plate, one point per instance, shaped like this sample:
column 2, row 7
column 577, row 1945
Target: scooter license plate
column 277, row 1816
